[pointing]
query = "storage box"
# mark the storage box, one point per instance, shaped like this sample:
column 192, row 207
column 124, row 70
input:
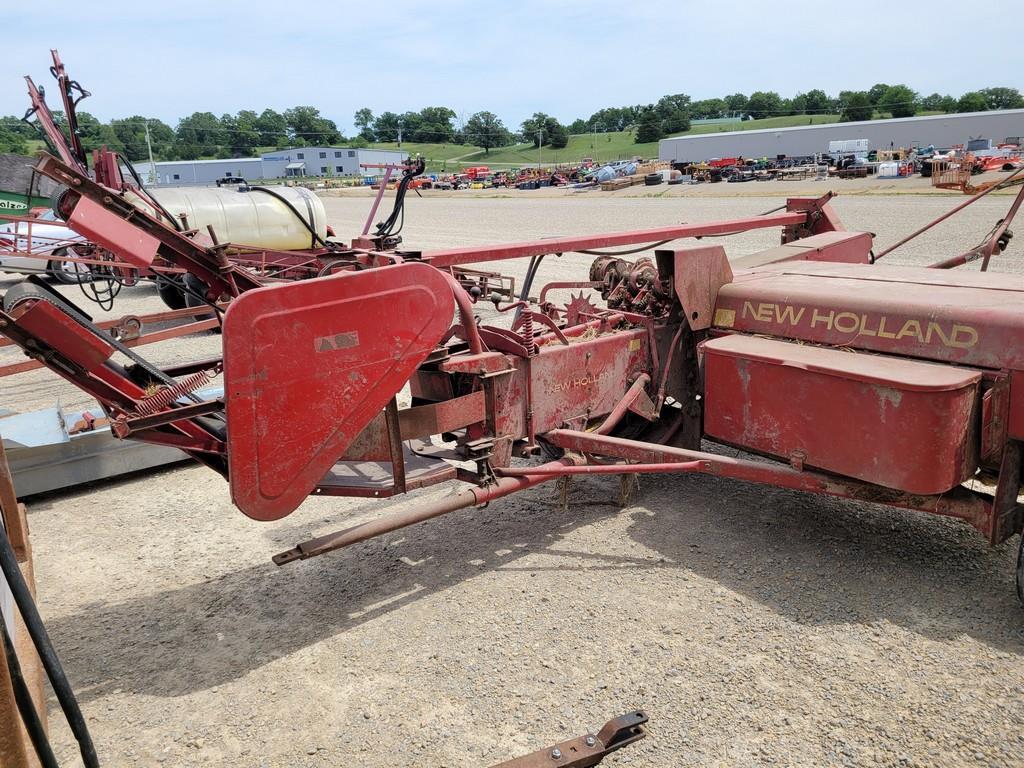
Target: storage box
column 886, row 420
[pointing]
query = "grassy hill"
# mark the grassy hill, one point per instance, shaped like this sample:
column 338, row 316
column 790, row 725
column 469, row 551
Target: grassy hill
column 615, row 145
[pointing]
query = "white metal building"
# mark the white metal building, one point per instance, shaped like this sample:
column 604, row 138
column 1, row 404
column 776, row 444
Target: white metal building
column 333, row 161
column 298, row 162
column 942, row 131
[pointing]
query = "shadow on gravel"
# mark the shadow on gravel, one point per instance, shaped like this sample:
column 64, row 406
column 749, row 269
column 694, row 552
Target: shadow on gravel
column 202, row 635
column 814, row 560
column 818, row 560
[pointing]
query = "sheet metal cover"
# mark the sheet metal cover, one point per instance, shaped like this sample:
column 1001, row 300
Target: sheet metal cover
column 307, row 365
column 909, row 375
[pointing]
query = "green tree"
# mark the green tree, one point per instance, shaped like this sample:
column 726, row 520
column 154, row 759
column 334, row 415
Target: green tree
column 763, row 104
column 817, row 102
column 578, row 126
column 199, row 135
column 899, row 101
column 708, row 109
column 307, row 124
column 272, row 129
column 434, row 124
column 649, row 127
column 485, row 129
column 93, row 134
column 1003, row 98
column 736, row 103
column 674, row 113
column 973, row 101
column 876, row 93
column 385, row 126
column 932, row 103
column 363, row 120
column 948, row 104
column 558, row 136
column 857, row 106
column 535, row 128
column 11, row 141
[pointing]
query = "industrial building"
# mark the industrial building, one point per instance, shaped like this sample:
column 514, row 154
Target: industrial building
column 296, row 162
column 941, row 131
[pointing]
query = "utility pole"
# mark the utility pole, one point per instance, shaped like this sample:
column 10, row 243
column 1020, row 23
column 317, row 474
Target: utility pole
column 399, row 134
column 152, row 165
column 540, row 147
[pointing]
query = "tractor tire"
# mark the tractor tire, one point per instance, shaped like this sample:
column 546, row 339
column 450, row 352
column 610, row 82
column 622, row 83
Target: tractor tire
column 171, row 293
column 652, row 179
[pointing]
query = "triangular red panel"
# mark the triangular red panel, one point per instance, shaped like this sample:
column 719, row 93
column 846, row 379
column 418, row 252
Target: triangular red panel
column 308, row 364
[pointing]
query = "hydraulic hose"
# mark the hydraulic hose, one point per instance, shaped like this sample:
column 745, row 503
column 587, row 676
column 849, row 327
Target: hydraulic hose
column 316, row 237
column 51, row 663
column 22, row 697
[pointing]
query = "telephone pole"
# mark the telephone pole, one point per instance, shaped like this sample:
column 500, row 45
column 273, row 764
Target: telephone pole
column 152, row 165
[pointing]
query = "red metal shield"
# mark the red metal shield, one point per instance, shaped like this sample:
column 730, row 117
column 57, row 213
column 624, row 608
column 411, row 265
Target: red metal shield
column 307, row 365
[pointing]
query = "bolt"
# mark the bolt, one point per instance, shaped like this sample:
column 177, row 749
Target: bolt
column 590, row 740
column 556, row 754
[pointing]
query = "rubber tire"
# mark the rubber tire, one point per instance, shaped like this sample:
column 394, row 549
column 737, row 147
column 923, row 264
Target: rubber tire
column 675, row 181
column 171, row 294
column 652, row 179
column 53, row 269
column 1019, row 578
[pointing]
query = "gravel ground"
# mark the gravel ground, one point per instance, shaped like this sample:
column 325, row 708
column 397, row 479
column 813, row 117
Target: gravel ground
column 757, row 626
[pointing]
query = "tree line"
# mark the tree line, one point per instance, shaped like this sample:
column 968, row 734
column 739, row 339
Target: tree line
column 203, row 134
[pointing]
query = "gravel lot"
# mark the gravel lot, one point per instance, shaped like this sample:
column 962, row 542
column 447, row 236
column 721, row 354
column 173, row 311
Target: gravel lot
column 757, row 627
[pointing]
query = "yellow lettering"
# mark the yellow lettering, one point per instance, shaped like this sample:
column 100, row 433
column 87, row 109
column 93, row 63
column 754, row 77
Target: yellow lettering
column 934, row 327
column 789, row 314
column 846, row 322
column 817, row 317
column 911, row 328
column 882, row 333
column 970, row 337
column 864, row 330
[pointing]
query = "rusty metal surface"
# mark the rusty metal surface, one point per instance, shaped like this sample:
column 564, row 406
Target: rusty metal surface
column 478, row 254
column 698, row 273
column 967, row 318
column 899, row 423
column 587, row 750
column 307, row 365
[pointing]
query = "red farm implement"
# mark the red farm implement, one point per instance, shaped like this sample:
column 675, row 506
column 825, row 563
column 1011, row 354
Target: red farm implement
column 835, row 376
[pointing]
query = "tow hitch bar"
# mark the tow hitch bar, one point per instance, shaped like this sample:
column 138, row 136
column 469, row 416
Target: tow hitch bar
column 587, row 750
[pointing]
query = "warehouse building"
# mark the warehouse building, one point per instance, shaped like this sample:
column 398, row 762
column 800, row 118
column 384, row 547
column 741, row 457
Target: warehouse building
column 334, row 161
column 298, row 162
column 941, row 131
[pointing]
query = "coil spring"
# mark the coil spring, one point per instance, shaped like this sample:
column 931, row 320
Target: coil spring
column 164, row 397
column 526, row 329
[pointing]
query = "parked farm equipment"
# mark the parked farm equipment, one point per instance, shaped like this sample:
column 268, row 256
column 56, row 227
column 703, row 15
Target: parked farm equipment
column 900, row 386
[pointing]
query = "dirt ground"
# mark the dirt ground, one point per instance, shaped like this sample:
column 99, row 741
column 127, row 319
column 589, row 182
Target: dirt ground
column 756, row 626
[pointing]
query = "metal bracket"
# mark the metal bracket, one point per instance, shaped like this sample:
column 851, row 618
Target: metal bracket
column 586, row 750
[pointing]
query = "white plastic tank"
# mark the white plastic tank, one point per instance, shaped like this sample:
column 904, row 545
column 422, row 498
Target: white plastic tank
column 888, row 170
column 253, row 218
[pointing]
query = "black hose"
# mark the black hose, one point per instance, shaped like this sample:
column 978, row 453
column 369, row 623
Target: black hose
column 131, row 169
column 51, row 663
column 23, row 698
column 299, row 216
column 386, row 228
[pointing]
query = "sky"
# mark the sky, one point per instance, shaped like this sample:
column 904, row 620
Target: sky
column 567, row 58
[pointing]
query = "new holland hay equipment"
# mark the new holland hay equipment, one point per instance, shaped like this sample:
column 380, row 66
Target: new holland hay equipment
column 895, row 385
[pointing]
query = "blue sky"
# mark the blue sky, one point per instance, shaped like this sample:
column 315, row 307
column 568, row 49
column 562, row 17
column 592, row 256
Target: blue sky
column 566, row 58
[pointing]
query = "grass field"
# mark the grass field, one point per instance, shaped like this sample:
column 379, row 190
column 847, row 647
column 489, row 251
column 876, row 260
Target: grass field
column 616, row 145
column 604, row 147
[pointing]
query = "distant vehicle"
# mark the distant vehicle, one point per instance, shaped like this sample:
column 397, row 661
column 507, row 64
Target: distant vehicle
column 477, row 171
column 231, row 180
column 50, row 237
